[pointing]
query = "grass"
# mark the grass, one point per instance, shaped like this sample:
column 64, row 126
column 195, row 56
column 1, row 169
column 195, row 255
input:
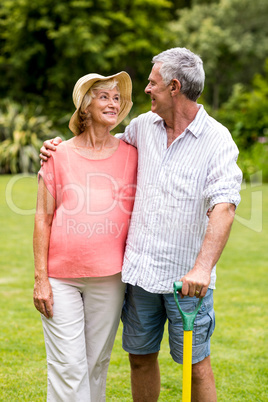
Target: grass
column 239, row 344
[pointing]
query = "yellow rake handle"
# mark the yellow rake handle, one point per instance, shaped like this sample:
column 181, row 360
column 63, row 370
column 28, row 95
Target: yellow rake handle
column 187, row 366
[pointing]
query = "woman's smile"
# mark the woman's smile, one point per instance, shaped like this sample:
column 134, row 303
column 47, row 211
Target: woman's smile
column 105, row 107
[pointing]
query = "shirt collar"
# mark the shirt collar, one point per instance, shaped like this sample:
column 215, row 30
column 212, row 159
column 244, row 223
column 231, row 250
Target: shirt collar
column 196, row 126
column 158, row 119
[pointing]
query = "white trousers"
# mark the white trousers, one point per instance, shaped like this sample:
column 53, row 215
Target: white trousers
column 80, row 336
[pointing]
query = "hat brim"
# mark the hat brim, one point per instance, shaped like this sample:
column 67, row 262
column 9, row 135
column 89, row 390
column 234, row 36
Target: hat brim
column 87, row 81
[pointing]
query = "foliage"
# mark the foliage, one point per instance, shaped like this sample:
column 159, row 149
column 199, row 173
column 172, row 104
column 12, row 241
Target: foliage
column 231, row 38
column 239, row 344
column 21, row 133
column 48, row 45
column 253, row 161
column 245, row 112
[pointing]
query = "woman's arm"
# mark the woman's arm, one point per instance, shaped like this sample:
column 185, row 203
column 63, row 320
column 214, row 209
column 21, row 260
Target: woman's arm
column 43, row 297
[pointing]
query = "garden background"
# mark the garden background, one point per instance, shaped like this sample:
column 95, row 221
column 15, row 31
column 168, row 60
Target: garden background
column 45, row 46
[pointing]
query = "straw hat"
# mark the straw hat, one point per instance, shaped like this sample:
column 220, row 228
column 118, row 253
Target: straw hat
column 85, row 83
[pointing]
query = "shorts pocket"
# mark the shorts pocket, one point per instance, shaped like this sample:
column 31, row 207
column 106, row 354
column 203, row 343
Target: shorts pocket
column 203, row 328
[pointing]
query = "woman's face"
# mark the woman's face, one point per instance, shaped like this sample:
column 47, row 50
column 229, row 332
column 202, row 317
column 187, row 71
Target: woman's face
column 104, row 108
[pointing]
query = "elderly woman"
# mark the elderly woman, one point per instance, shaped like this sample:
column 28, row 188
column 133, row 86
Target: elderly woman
column 85, row 198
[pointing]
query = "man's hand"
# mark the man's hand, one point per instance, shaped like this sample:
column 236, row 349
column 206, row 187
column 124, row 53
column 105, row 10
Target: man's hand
column 49, row 145
column 195, row 283
column 43, row 297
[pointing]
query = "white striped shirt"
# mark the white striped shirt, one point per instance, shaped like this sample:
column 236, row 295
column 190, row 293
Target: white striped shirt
column 176, row 186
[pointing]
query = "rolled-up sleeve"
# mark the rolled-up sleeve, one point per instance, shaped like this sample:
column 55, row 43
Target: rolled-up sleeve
column 224, row 176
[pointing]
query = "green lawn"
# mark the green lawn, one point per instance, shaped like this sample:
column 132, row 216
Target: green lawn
column 239, row 344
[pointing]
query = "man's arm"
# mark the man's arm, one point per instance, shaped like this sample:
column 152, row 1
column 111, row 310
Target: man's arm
column 217, row 233
column 130, row 133
column 129, row 136
column 43, row 297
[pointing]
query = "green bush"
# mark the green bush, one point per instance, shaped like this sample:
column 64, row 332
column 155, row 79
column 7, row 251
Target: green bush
column 245, row 112
column 245, row 115
column 253, row 161
column 22, row 132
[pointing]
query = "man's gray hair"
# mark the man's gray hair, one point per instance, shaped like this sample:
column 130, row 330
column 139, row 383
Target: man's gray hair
column 185, row 66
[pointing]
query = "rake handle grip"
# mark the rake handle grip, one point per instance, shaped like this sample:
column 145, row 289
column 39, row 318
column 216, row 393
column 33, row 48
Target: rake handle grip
column 187, row 318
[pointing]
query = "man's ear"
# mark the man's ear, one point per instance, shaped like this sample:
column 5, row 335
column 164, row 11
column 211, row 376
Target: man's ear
column 175, row 87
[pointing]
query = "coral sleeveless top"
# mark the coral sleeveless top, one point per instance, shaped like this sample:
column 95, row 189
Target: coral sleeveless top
column 94, row 200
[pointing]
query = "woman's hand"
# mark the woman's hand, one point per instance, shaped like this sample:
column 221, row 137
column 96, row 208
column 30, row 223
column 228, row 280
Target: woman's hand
column 43, row 297
column 49, row 145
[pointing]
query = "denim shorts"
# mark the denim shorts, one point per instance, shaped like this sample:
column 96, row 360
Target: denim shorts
column 144, row 316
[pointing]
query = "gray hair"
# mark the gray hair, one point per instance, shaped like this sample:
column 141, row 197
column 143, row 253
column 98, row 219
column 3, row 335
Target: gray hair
column 181, row 64
column 84, row 118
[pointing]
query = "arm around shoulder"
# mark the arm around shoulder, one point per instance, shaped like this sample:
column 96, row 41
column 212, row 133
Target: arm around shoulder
column 49, row 145
column 136, row 128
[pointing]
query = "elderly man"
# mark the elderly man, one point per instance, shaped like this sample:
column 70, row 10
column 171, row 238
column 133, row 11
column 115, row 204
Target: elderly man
column 188, row 189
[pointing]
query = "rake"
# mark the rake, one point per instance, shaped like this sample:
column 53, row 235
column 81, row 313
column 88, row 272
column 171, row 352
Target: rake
column 188, row 326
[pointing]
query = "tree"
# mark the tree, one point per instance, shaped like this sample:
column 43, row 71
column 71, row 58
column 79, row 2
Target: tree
column 230, row 36
column 47, row 45
column 245, row 112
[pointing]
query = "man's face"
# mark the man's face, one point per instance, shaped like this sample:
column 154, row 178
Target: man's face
column 158, row 91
